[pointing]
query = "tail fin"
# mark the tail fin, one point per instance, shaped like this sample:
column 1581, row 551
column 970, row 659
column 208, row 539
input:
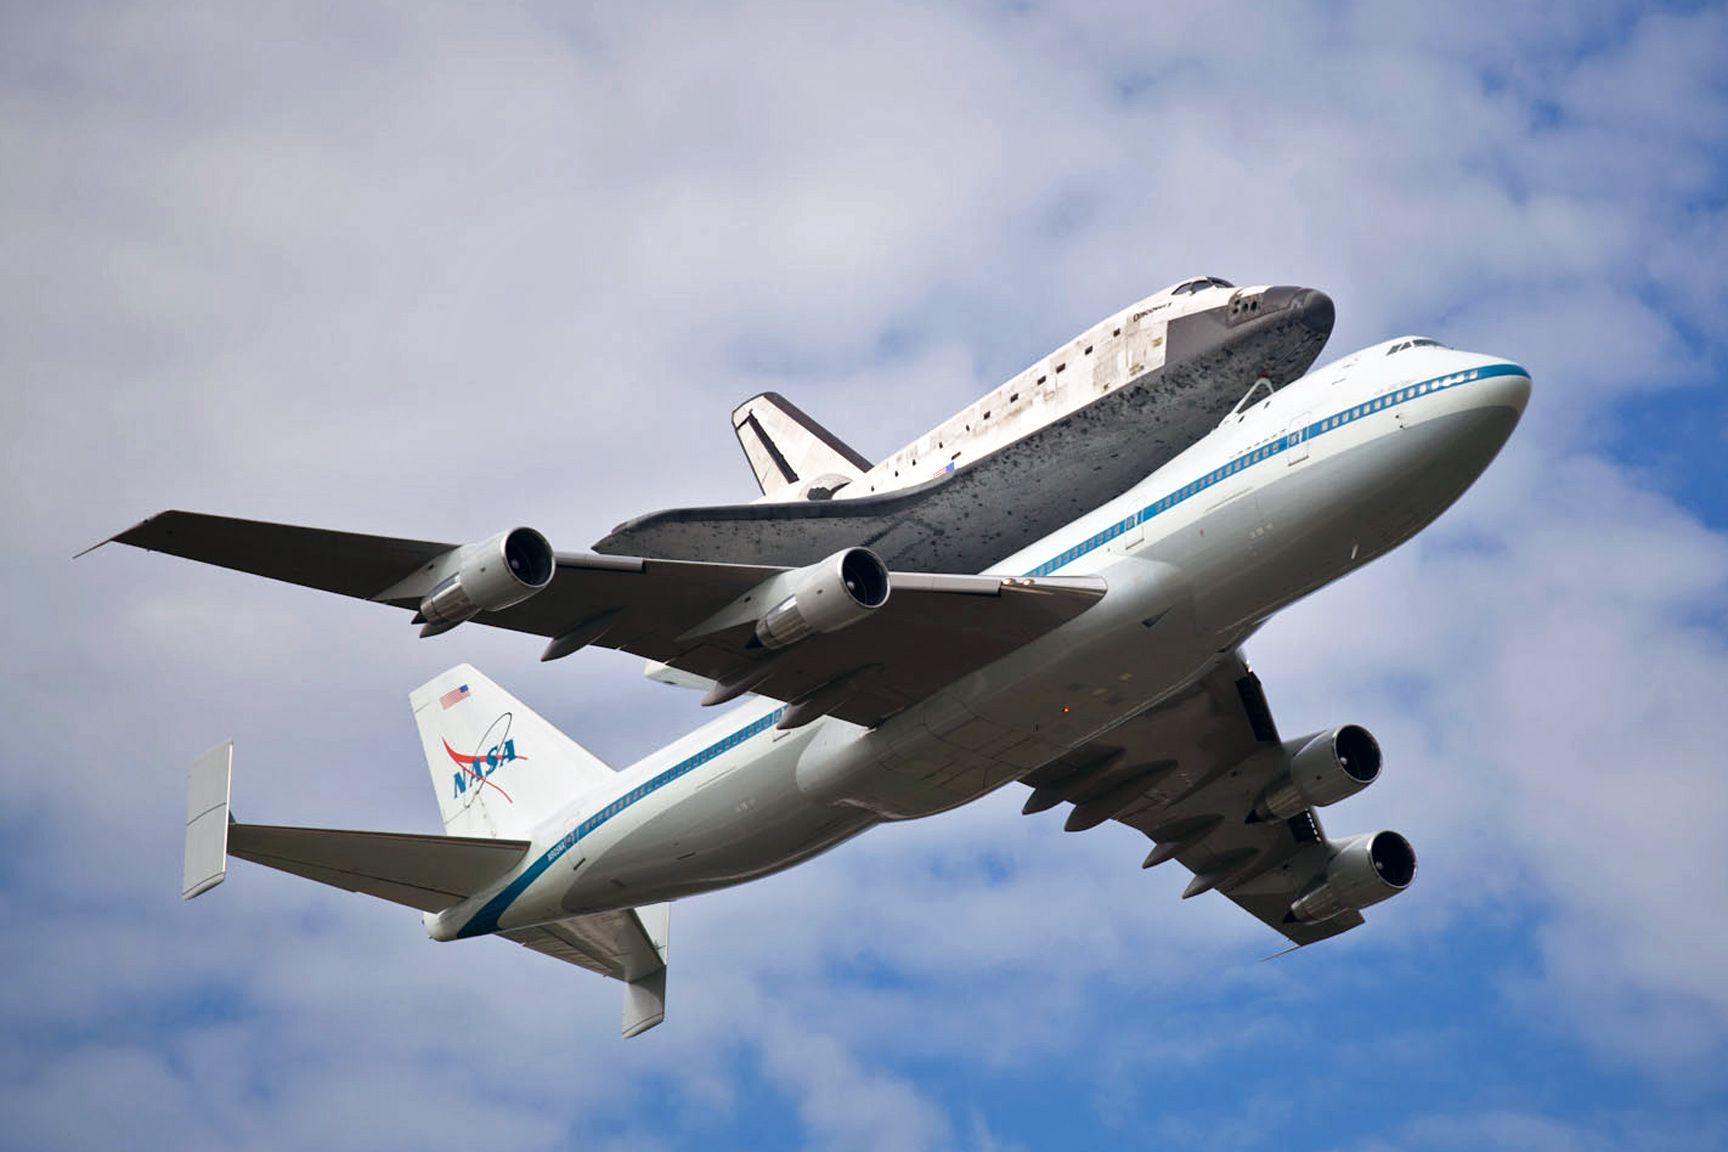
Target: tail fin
column 789, row 451
column 207, row 820
column 497, row 767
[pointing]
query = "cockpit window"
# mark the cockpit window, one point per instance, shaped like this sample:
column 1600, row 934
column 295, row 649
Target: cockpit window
column 1188, row 287
column 1418, row 342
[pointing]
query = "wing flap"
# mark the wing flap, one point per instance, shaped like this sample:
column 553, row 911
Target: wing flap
column 1202, row 758
column 923, row 639
column 425, row 872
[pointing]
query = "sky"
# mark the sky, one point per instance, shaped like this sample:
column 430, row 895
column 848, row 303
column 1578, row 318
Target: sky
column 433, row 270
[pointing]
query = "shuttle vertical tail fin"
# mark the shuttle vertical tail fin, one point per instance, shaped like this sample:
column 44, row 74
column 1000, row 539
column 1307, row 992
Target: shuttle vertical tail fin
column 498, row 768
column 790, row 452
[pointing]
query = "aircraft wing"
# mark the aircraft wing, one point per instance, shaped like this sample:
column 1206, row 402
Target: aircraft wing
column 1186, row 774
column 933, row 629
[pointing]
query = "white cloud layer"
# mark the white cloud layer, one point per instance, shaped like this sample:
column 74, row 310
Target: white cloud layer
column 430, row 270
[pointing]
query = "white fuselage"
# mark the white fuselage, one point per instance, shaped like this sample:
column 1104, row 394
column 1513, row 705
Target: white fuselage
column 1289, row 493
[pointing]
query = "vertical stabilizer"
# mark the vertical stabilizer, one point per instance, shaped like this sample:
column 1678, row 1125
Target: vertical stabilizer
column 498, row 768
column 207, row 821
column 790, row 453
column 645, row 993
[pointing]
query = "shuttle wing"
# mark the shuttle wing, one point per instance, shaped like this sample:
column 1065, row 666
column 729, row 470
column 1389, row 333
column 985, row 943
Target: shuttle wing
column 933, row 629
column 1187, row 775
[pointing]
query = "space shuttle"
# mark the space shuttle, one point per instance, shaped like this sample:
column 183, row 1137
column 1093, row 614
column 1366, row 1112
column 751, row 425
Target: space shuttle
column 1073, row 429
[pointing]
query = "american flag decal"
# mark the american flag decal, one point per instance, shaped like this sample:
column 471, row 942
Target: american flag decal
column 454, row 696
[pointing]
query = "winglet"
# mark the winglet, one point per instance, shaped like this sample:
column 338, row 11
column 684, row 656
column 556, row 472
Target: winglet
column 113, row 538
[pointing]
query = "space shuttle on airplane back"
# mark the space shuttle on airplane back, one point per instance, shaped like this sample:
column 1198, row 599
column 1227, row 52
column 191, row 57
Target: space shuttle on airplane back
column 1112, row 532
column 1068, row 432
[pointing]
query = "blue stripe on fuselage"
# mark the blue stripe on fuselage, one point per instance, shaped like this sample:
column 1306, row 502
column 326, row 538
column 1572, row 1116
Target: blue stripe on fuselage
column 1397, row 396
column 486, row 920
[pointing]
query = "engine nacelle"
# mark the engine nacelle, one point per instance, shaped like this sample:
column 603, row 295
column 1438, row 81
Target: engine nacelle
column 825, row 597
column 490, row 576
column 1325, row 767
column 1365, row 871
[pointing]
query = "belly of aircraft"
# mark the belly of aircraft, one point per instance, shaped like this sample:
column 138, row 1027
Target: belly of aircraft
column 747, row 821
column 1321, row 518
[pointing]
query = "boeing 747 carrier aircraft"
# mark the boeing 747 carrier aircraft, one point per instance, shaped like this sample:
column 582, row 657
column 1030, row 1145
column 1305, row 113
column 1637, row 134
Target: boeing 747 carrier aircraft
column 1098, row 665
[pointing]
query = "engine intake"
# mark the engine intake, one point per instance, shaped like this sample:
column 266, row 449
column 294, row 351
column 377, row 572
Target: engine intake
column 1325, row 767
column 1363, row 872
column 827, row 596
column 490, row 576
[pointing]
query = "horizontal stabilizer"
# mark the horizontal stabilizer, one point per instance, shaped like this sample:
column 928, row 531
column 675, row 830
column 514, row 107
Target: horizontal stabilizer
column 425, row 872
column 628, row 945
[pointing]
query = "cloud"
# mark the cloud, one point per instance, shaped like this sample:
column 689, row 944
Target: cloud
column 436, row 270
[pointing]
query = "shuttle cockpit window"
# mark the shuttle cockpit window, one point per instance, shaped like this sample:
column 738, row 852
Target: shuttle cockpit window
column 1187, row 287
column 1417, row 342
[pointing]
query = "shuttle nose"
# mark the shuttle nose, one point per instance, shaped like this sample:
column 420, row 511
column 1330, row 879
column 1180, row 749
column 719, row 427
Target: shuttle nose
column 1310, row 306
column 1316, row 310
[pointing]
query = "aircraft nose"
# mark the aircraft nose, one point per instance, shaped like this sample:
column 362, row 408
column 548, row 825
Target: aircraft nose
column 1507, row 390
column 1311, row 307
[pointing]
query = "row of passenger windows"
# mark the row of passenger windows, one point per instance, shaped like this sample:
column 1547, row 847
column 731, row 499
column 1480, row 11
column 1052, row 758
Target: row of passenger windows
column 1244, row 461
column 1397, row 397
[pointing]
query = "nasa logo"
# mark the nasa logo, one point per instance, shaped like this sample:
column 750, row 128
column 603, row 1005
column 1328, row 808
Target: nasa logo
column 496, row 750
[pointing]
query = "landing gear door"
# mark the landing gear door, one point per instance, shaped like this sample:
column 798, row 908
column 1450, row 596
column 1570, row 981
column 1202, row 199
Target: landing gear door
column 1296, row 439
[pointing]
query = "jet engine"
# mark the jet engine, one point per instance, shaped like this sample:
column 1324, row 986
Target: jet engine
column 496, row 574
column 1325, row 767
column 825, row 597
column 1363, row 871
